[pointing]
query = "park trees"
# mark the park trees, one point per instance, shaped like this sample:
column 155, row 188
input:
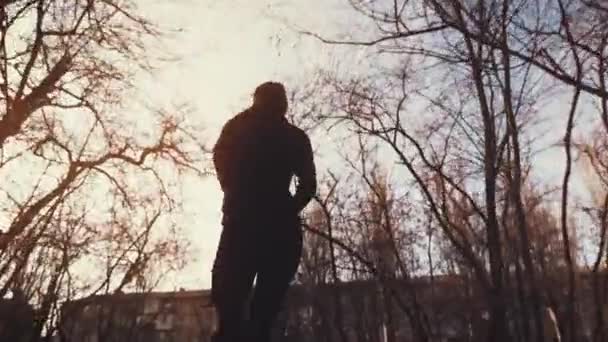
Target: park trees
column 462, row 93
column 87, row 183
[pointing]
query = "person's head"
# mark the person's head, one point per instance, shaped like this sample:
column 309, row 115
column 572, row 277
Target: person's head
column 270, row 97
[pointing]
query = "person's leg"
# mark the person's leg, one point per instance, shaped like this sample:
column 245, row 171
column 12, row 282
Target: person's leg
column 232, row 278
column 278, row 266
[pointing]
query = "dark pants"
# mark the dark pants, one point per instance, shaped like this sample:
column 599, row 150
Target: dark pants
column 268, row 249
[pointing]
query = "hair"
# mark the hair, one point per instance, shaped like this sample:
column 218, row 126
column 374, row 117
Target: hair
column 271, row 97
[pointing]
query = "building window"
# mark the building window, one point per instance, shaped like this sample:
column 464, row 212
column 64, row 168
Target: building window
column 151, row 306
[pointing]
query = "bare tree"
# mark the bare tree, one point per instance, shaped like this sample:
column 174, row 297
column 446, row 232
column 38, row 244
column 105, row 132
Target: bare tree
column 88, row 188
column 483, row 68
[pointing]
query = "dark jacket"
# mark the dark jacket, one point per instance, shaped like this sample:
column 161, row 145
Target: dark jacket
column 256, row 157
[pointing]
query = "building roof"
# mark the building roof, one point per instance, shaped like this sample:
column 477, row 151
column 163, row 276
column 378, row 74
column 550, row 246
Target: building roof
column 204, row 295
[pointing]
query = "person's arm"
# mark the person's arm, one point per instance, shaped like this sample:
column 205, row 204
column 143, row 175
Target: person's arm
column 222, row 153
column 306, row 174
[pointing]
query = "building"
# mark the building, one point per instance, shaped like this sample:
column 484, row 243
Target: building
column 370, row 311
column 154, row 317
column 310, row 314
column 445, row 308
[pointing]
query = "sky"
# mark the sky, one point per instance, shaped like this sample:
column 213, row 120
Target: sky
column 225, row 49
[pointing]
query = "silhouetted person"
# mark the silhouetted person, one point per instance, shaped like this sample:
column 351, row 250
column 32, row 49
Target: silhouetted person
column 256, row 157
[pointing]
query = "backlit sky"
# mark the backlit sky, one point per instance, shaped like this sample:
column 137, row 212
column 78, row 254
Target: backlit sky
column 226, row 49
